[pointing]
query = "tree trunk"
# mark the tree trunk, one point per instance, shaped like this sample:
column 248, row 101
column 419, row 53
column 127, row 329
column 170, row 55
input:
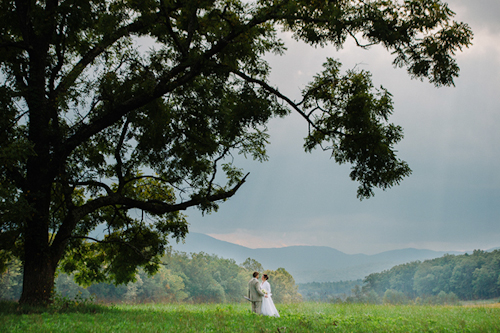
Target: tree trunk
column 39, row 268
column 39, row 263
column 38, row 282
column 40, row 259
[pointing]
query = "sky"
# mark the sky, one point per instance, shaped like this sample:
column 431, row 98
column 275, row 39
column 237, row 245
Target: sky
column 451, row 202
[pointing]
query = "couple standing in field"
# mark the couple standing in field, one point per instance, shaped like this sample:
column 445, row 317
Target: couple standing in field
column 260, row 296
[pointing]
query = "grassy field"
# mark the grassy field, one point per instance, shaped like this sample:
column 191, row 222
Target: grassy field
column 303, row 317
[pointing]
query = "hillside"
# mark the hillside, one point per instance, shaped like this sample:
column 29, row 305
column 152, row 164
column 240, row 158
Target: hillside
column 308, row 263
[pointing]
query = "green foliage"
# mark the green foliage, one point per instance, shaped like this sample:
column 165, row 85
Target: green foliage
column 327, row 291
column 252, row 265
column 11, row 281
column 395, row 297
column 193, row 278
column 66, row 288
column 180, row 278
column 283, row 286
column 349, row 106
column 440, row 299
column 208, row 278
column 360, row 296
column 85, row 111
column 463, row 277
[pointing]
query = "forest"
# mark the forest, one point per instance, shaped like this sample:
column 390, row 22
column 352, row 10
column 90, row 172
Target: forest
column 182, row 277
column 445, row 280
column 468, row 277
column 204, row 278
column 328, row 291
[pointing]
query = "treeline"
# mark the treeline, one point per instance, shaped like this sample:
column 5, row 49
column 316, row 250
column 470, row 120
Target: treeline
column 445, row 280
column 464, row 277
column 195, row 277
column 328, row 291
column 199, row 277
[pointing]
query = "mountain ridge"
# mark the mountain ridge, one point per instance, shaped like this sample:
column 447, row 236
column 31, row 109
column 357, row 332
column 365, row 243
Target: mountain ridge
column 308, row 263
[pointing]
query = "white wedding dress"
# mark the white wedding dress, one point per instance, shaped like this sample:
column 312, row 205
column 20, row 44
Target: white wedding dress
column 268, row 308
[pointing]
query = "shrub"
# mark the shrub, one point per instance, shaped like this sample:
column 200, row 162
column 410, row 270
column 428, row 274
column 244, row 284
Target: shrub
column 395, row 297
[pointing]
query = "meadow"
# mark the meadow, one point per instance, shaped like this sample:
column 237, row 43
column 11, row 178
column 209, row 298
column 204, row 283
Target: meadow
column 300, row 317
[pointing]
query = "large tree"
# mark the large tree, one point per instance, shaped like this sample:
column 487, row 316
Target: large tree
column 97, row 129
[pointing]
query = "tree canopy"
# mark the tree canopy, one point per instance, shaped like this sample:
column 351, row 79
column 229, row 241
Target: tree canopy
column 468, row 277
column 95, row 129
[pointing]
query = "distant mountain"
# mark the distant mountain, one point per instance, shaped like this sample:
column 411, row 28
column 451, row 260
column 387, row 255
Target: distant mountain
column 308, row 263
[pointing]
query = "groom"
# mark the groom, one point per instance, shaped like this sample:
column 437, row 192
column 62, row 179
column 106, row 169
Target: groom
column 254, row 293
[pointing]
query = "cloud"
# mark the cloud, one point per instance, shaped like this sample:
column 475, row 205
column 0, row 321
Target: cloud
column 480, row 15
column 450, row 202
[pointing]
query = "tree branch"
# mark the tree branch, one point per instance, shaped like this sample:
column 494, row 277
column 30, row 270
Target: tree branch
column 152, row 206
column 166, row 84
column 118, row 241
column 11, row 44
column 363, row 46
column 118, row 157
column 226, row 150
column 90, row 56
column 175, row 37
column 294, row 105
column 95, row 184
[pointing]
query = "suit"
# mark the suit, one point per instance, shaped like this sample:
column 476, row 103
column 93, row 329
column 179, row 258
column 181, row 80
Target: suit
column 255, row 295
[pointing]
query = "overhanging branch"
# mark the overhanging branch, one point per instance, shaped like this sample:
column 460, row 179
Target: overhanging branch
column 95, row 184
column 153, row 206
column 90, row 56
column 122, row 242
column 178, row 76
column 294, row 105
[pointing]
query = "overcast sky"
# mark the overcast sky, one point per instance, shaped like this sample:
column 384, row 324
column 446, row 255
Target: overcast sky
column 450, row 202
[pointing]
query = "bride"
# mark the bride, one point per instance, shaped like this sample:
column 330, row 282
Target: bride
column 268, row 308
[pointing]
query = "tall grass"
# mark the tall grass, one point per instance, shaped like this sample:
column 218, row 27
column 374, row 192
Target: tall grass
column 302, row 317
